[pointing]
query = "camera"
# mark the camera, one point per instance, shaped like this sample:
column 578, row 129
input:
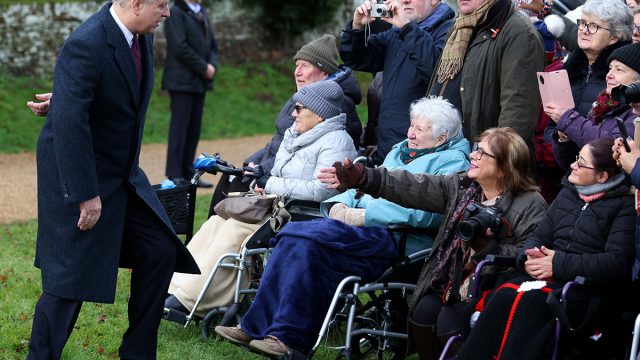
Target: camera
column 379, row 9
column 626, row 94
column 476, row 220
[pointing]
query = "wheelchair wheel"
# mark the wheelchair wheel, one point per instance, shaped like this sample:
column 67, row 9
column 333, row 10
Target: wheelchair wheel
column 209, row 323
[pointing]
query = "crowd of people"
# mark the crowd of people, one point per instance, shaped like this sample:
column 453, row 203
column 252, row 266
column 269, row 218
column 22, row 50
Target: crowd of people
column 460, row 132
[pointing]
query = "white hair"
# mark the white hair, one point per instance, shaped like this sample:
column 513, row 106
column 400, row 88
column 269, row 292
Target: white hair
column 444, row 118
column 615, row 13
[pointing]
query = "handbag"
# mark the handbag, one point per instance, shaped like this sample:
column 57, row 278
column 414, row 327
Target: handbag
column 252, row 208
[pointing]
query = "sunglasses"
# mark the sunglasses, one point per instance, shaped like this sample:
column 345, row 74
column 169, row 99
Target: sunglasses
column 299, row 108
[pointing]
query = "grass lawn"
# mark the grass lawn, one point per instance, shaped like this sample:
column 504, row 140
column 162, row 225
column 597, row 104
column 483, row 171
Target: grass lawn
column 100, row 327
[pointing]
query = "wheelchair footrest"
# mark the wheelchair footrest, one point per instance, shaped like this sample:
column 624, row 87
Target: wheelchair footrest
column 174, row 316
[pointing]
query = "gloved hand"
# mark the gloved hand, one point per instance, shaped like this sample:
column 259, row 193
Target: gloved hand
column 255, row 172
column 262, row 181
column 350, row 175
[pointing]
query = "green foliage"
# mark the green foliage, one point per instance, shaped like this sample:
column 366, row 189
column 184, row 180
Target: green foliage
column 245, row 101
column 285, row 18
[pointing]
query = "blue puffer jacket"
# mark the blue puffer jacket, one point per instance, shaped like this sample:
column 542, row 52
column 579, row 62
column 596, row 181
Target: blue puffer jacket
column 408, row 57
column 452, row 158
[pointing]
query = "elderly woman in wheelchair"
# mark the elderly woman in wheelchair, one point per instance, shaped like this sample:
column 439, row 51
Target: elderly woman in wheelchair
column 311, row 258
column 588, row 231
column 317, row 138
column 488, row 210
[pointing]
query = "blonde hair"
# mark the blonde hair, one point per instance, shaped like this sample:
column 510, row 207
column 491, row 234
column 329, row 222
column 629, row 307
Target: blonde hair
column 513, row 159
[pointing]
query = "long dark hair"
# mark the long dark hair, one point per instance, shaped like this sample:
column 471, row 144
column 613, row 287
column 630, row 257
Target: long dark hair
column 603, row 156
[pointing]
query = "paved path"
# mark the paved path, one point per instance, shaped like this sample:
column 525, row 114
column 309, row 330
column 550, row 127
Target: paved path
column 18, row 197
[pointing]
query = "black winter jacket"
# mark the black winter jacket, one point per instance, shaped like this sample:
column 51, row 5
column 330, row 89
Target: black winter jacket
column 593, row 239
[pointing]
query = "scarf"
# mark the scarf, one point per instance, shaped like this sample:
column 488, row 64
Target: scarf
column 603, row 104
column 594, row 189
column 458, row 41
column 444, row 271
column 408, row 154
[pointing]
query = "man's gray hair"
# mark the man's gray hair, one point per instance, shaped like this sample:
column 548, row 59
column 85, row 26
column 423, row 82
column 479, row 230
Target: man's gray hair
column 615, row 13
column 444, row 118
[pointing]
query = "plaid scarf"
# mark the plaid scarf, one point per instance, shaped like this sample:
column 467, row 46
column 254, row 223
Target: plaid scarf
column 455, row 49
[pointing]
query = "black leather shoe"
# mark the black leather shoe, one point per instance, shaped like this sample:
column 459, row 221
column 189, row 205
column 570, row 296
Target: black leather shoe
column 203, row 184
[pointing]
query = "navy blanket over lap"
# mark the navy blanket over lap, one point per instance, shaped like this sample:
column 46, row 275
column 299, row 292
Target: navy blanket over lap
column 303, row 272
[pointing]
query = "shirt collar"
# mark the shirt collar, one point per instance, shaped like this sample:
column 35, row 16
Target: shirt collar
column 126, row 32
column 195, row 7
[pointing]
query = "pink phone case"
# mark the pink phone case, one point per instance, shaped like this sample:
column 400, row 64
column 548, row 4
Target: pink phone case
column 555, row 88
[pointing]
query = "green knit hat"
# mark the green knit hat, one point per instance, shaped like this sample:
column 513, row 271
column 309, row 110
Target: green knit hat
column 322, row 53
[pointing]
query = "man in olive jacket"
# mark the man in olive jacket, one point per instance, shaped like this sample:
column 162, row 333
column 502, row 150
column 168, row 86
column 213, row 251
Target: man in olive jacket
column 96, row 208
column 191, row 63
column 493, row 80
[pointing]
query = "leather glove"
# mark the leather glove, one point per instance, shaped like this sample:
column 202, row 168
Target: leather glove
column 350, row 175
column 261, row 182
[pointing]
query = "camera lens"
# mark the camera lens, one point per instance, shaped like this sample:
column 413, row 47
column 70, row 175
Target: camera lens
column 467, row 230
column 379, row 11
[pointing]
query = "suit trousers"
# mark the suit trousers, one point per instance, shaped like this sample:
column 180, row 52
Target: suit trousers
column 184, row 133
column 151, row 254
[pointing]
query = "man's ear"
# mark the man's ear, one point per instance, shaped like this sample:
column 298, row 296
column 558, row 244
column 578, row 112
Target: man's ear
column 435, row 3
column 136, row 5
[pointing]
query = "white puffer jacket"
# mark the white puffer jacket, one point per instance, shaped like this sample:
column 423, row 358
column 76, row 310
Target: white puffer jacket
column 301, row 156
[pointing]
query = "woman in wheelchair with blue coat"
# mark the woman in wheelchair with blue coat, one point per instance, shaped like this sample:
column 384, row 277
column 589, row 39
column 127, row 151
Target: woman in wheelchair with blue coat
column 497, row 188
column 312, row 257
column 317, row 138
column 588, row 231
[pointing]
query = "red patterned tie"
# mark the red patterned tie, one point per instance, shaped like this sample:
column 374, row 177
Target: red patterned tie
column 137, row 57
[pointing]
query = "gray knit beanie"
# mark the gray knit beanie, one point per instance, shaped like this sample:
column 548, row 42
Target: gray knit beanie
column 323, row 98
column 322, row 53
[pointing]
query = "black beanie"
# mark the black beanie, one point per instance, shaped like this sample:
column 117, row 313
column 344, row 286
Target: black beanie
column 628, row 55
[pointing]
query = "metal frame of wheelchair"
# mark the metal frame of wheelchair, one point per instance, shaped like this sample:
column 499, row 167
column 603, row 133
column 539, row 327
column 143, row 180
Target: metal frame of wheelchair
column 243, row 261
column 368, row 325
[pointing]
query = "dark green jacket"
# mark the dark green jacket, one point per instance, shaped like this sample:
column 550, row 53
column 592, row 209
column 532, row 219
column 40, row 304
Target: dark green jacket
column 498, row 85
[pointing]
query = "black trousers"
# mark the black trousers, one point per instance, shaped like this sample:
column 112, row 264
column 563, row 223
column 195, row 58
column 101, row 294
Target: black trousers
column 184, row 133
column 151, row 254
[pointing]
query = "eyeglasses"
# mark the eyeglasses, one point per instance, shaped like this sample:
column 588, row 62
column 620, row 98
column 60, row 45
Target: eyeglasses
column 592, row 28
column 299, row 108
column 481, row 152
column 636, row 28
column 581, row 166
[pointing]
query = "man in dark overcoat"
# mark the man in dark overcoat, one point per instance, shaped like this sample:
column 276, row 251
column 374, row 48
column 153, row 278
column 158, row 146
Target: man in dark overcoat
column 96, row 208
column 191, row 63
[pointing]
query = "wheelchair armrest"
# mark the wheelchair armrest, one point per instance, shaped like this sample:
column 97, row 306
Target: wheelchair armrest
column 302, row 210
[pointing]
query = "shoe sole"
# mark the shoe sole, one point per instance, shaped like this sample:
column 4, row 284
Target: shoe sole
column 266, row 351
column 232, row 339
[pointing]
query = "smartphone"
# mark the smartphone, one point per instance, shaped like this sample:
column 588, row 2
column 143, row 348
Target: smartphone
column 555, row 88
column 623, row 133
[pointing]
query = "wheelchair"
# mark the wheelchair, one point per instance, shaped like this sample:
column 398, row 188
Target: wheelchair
column 249, row 262
column 372, row 318
column 570, row 341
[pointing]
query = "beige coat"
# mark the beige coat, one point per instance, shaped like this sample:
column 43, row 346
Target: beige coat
column 216, row 237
